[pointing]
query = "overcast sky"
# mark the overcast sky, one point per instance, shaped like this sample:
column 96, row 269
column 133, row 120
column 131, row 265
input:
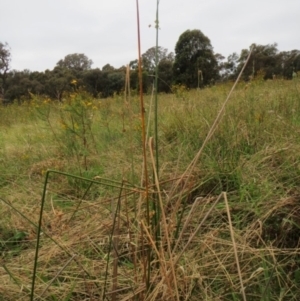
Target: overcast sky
column 41, row 32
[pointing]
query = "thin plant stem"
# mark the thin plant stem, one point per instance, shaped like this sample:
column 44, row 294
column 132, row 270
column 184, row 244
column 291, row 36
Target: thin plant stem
column 57, row 274
column 156, row 207
column 111, row 243
column 115, row 253
column 234, row 247
column 38, row 237
column 142, row 113
column 143, row 137
column 150, row 112
column 196, row 231
column 156, row 88
column 164, row 220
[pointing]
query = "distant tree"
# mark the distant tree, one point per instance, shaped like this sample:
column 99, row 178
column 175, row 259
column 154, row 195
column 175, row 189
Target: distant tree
column 133, row 65
column 38, row 82
column 263, row 58
column 134, row 77
column 93, row 81
column 75, row 62
column 149, row 58
column 21, row 84
column 287, row 63
column 165, row 73
column 58, row 81
column 134, row 81
column 108, row 68
column 194, row 52
column 122, row 68
column 5, row 58
column 230, row 66
column 165, row 60
column 113, row 83
column 220, row 61
column 104, row 83
column 17, row 85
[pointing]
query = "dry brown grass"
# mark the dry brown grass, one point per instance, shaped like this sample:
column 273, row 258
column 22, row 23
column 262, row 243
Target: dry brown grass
column 73, row 253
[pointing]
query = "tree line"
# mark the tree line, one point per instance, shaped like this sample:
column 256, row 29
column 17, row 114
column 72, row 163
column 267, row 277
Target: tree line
column 194, row 65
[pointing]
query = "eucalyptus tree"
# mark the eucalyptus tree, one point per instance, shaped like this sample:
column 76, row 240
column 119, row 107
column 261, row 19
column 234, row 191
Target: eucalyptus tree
column 194, row 54
column 75, row 62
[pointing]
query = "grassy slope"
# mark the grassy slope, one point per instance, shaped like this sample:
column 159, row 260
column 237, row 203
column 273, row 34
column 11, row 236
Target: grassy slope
column 254, row 156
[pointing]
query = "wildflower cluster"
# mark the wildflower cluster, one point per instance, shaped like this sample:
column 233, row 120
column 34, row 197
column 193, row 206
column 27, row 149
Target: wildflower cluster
column 76, row 117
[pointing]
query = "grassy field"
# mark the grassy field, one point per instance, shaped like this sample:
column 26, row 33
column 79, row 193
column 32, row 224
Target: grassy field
column 219, row 224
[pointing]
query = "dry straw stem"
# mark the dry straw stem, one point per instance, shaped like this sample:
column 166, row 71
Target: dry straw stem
column 128, row 108
column 160, row 257
column 194, row 206
column 150, row 113
column 163, row 217
column 58, row 273
column 145, row 178
column 177, row 258
column 143, row 167
column 187, row 173
column 197, row 229
column 234, row 246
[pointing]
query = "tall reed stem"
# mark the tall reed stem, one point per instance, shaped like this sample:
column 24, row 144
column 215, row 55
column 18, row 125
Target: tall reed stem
column 142, row 111
column 156, row 207
column 148, row 267
column 156, row 88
